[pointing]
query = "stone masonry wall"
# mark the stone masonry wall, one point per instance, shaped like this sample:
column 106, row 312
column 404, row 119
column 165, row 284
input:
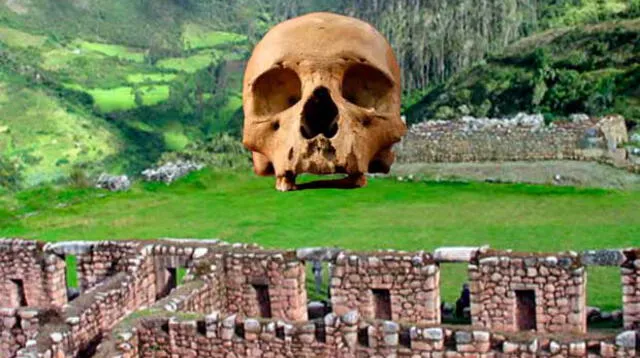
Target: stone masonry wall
column 384, row 303
column 347, row 336
column 477, row 140
column 411, row 280
column 30, row 275
column 281, row 273
column 631, row 289
column 16, row 327
column 511, row 291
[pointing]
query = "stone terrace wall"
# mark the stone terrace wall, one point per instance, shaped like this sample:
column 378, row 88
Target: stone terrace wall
column 16, row 327
column 346, row 337
column 30, row 275
column 523, row 138
column 281, row 273
column 631, row 289
column 100, row 308
column 501, row 282
column 412, row 281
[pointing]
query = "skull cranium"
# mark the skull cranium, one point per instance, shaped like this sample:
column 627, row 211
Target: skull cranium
column 322, row 95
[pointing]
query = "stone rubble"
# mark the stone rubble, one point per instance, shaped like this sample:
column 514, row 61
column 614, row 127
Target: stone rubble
column 171, row 171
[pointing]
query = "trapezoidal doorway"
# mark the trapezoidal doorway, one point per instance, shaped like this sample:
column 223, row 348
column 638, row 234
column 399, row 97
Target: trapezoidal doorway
column 525, row 310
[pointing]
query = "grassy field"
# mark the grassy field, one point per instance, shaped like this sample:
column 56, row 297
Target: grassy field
column 196, row 37
column 386, row 214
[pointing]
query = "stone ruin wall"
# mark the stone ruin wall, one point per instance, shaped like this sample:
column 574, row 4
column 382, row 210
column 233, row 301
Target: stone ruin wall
column 501, row 283
column 280, row 275
column 348, row 336
column 217, row 312
column 39, row 277
column 631, row 289
column 411, row 282
column 523, row 138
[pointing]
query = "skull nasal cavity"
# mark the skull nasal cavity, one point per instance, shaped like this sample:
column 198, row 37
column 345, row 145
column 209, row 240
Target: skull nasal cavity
column 320, row 115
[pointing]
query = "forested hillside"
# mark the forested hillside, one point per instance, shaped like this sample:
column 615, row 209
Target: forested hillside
column 93, row 85
column 592, row 69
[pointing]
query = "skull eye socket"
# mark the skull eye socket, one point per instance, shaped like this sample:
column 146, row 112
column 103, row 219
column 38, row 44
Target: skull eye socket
column 275, row 91
column 367, row 87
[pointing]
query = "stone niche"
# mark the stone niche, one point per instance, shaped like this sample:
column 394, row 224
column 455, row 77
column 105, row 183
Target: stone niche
column 29, row 277
column 265, row 284
column 387, row 285
column 522, row 292
column 631, row 289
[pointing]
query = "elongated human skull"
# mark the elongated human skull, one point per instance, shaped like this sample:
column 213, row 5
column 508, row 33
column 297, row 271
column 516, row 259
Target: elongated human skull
column 322, row 95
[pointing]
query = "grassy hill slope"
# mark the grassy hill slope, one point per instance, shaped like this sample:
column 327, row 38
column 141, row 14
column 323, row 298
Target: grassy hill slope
column 116, row 87
column 593, row 69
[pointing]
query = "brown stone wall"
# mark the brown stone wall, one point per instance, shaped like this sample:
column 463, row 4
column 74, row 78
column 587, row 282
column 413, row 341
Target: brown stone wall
column 348, row 337
column 16, row 327
column 280, row 272
column 102, row 260
column 411, row 279
column 631, row 289
column 30, row 277
column 501, row 283
column 457, row 141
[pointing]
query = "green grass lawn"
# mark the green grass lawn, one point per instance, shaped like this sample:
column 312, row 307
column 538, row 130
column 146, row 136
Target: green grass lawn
column 122, row 98
column 197, row 37
column 150, row 78
column 16, row 38
column 189, row 64
column 121, row 52
column 240, row 207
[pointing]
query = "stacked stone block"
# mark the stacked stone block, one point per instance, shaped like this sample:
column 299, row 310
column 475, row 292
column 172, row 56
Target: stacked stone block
column 348, row 336
column 631, row 289
column 17, row 326
column 412, row 280
column 459, row 141
column 557, row 281
column 29, row 276
column 281, row 272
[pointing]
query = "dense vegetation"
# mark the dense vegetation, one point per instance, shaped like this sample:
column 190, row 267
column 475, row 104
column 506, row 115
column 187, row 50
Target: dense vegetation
column 591, row 69
column 387, row 214
column 114, row 84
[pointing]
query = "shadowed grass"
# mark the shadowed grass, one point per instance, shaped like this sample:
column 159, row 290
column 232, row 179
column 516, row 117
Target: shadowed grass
column 386, row 214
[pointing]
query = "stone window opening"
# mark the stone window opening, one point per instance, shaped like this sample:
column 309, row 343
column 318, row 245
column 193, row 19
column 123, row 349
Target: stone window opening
column 382, row 304
column 280, row 332
column 263, row 300
column 168, row 281
column 604, row 317
column 320, row 331
column 525, row 313
column 404, row 338
column 202, row 328
column 363, row 337
column 318, row 275
column 17, row 293
column 170, row 278
column 71, row 277
column 455, row 293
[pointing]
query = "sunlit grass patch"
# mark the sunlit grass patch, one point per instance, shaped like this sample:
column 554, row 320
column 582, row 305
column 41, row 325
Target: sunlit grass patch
column 123, row 98
column 150, row 77
column 122, row 52
column 196, row 37
column 16, row 38
column 189, row 64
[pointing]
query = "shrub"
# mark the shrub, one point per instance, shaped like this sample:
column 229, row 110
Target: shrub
column 10, row 174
